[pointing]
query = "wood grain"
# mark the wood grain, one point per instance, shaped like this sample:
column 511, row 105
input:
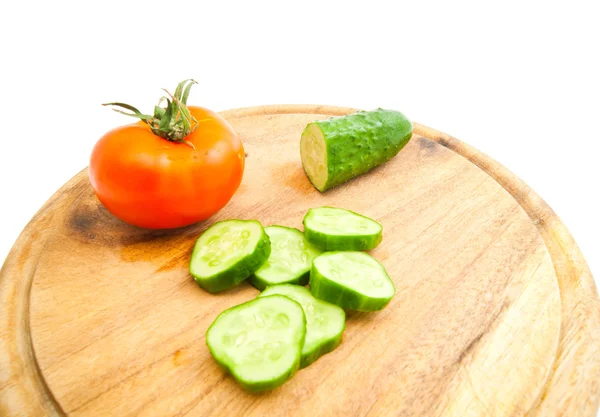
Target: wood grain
column 496, row 312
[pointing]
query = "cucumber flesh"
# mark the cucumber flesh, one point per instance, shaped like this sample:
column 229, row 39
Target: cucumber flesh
column 259, row 342
column 352, row 280
column 335, row 229
column 290, row 259
column 313, row 152
column 338, row 149
column 325, row 322
column 228, row 252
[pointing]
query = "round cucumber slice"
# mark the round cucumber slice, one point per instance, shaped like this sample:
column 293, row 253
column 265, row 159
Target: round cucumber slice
column 290, row 259
column 333, row 229
column 228, row 252
column 325, row 322
column 259, row 342
column 352, row 280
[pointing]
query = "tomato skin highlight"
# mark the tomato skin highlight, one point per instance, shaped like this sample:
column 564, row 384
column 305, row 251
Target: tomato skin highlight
column 154, row 183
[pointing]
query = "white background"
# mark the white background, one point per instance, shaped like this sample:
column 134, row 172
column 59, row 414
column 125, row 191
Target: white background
column 518, row 80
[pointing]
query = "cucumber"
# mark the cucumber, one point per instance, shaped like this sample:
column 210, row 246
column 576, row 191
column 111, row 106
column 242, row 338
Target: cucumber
column 259, row 342
column 352, row 280
column 331, row 228
column 325, row 322
column 338, row 149
column 290, row 260
column 228, row 252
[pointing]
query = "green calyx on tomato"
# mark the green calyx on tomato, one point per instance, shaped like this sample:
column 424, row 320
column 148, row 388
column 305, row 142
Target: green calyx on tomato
column 175, row 168
column 172, row 122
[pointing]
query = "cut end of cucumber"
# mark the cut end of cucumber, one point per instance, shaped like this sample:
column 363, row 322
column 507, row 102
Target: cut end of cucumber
column 313, row 151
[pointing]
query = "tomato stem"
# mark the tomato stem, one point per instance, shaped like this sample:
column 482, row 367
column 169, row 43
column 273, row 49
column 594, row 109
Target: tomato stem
column 172, row 121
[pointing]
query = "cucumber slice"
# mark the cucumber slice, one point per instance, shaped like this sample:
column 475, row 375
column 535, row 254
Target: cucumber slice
column 337, row 229
column 259, row 342
column 352, row 280
column 228, row 252
column 338, row 149
column 325, row 322
column 290, row 260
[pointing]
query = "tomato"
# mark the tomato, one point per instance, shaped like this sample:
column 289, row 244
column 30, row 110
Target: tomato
column 152, row 182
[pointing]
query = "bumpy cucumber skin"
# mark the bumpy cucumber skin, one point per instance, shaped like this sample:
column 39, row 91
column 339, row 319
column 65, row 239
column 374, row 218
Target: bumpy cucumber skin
column 329, row 242
column 239, row 271
column 257, row 387
column 332, row 292
column 328, row 346
column 302, row 279
column 359, row 142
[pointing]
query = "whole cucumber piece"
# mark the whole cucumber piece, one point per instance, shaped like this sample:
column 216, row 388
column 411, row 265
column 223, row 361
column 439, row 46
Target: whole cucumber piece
column 338, row 149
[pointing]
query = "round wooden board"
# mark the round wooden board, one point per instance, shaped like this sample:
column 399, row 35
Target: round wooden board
column 496, row 313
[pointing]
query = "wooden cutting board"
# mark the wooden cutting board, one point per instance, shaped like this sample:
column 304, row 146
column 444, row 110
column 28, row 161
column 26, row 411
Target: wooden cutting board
column 496, row 313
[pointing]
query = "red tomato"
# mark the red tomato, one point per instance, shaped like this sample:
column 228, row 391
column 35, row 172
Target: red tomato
column 151, row 182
